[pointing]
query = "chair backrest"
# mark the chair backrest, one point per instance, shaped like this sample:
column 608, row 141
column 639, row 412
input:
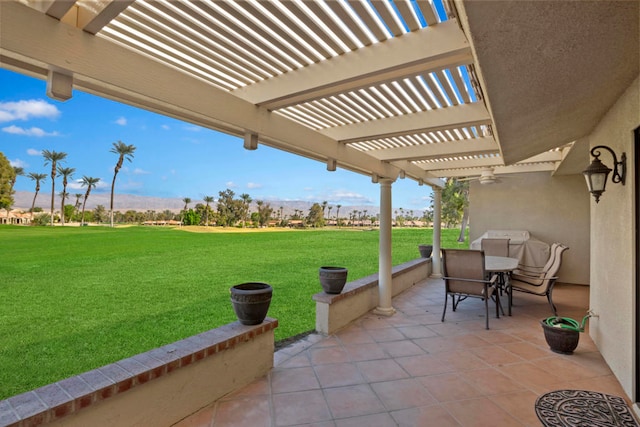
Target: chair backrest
column 495, row 247
column 552, row 256
column 552, row 271
column 463, row 264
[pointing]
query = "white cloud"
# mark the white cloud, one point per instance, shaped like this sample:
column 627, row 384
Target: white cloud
column 122, row 121
column 193, row 128
column 347, row 197
column 254, row 185
column 231, row 184
column 138, row 171
column 28, row 109
column 34, row 152
column 165, row 127
column 17, row 163
column 77, row 185
column 307, row 189
column 34, row 131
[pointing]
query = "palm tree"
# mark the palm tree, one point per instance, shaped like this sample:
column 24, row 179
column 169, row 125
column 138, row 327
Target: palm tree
column 76, row 206
column 53, row 157
column 330, row 207
column 324, row 206
column 338, row 215
column 37, row 177
column 246, row 200
column 207, row 200
column 89, row 182
column 66, row 174
column 63, row 195
column 186, row 201
column 17, row 171
column 123, row 151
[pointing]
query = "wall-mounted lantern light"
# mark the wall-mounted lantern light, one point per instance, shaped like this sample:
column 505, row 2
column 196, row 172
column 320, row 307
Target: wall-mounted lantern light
column 597, row 172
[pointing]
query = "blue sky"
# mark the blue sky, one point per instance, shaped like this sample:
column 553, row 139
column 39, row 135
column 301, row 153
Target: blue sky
column 173, row 159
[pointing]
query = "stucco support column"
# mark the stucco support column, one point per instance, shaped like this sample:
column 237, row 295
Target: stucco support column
column 384, row 257
column 436, row 269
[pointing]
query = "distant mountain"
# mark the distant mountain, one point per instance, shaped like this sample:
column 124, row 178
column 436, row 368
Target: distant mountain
column 125, row 202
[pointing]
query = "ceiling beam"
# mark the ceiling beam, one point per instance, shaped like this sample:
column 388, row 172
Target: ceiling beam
column 497, row 170
column 485, row 145
column 54, row 8
column 432, row 48
column 93, row 22
column 460, row 164
column 408, row 124
column 108, row 70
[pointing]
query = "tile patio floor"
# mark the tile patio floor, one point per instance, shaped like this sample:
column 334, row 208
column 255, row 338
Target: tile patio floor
column 413, row 370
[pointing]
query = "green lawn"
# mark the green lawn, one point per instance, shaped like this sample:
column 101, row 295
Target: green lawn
column 74, row 299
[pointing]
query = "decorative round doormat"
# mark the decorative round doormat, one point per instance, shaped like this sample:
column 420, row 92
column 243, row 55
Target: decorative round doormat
column 573, row 408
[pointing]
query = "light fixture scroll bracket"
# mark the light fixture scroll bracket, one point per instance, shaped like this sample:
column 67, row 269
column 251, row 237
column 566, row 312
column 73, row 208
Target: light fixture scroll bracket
column 619, row 167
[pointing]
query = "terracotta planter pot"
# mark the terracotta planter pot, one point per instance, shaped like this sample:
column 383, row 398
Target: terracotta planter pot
column 560, row 340
column 333, row 279
column 251, row 302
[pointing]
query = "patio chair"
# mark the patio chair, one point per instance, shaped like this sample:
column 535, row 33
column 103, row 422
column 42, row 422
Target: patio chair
column 464, row 276
column 495, row 247
column 537, row 272
column 541, row 285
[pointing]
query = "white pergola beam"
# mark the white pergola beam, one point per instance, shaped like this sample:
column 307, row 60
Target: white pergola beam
column 54, row 8
column 93, row 22
column 485, row 145
column 498, row 170
column 433, row 48
column 114, row 72
column 425, row 121
column 59, row 86
column 413, row 172
column 459, row 164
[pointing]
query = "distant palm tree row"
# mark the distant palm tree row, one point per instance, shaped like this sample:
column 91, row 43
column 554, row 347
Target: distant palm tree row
column 55, row 159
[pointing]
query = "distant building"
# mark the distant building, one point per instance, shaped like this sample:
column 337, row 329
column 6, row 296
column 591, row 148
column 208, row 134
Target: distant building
column 15, row 217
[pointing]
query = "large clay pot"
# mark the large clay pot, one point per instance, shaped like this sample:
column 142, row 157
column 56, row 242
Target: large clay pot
column 560, row 340
column 251, row 302
column 333, row 279
column 425, row 250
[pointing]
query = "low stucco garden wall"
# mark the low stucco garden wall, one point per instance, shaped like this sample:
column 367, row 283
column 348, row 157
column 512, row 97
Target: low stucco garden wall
column 334, row 312
column 156, row 388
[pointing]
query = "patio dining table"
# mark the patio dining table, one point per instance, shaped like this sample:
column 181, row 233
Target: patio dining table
column 502, row 266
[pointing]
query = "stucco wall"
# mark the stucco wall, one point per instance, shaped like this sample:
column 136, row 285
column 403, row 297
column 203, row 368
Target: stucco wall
column 551, row 208
column 612, row 235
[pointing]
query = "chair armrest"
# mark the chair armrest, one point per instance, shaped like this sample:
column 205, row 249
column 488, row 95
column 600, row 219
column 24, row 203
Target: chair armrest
column 519, row 275
column 493, row 279
column 528, row 270
column 531, row 281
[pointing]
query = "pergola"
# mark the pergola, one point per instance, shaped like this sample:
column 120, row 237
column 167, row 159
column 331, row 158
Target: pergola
column 391, row 89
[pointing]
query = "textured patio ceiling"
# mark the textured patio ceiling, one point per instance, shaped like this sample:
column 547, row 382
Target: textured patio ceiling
column 382, row 88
